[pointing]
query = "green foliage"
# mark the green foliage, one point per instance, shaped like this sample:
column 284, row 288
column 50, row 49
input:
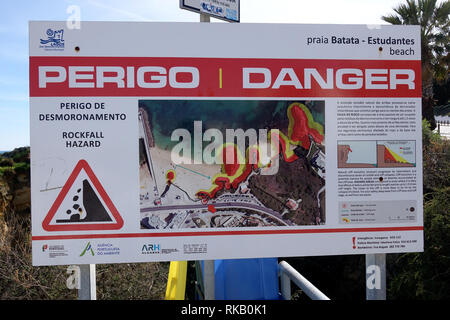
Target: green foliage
column 436, row 160
column 7, row 172
column 428, row 136
column 21, row 154
column 21, row 167
column 16, row 168
column 426, row 276
column 6, row 162
column 15, row 162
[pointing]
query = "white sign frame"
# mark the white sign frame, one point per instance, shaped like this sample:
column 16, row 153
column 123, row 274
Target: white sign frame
column 64, row 80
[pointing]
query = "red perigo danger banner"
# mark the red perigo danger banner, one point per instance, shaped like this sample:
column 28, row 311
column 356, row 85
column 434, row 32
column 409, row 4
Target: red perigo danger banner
column 222, row 77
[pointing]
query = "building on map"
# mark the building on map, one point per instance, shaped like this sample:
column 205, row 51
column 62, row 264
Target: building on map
column 292, row 204
column 243, row 188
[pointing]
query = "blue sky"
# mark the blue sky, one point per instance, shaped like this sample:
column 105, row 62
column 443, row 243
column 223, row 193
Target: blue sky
column 14, row 17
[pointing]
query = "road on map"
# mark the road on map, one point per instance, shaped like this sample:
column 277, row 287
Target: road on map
column 267, row 211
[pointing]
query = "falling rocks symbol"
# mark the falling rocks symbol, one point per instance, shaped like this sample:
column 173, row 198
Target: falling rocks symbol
column 88, row 207
column 95, row 211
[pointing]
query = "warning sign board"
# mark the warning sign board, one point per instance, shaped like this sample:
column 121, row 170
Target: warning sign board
column 304, row 142
column 82, row 204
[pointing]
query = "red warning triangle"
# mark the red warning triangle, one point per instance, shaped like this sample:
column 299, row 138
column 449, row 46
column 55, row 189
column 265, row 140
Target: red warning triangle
column 95, row 213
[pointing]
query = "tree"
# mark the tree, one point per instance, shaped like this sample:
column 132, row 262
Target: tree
column 434, row 22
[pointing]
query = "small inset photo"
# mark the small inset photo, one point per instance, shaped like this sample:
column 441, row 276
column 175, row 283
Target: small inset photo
column 396, row 153
column 357, row 154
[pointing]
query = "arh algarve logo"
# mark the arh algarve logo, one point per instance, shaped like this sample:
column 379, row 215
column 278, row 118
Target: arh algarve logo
column 150, row 248
column 54, row 40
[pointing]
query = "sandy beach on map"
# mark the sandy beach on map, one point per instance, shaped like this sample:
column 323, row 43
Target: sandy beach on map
column 190, row 177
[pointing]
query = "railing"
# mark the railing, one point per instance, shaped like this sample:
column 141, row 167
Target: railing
column 287, row 274
column 443, row 127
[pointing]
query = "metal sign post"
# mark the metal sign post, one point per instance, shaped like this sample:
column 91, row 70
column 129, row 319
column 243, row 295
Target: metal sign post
column 208, row 269
column 209, row 280
column 88, row 288
column 204, row 18
column 376, row 276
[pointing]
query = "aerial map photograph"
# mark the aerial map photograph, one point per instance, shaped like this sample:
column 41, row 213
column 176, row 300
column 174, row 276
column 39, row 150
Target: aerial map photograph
column 231, row 163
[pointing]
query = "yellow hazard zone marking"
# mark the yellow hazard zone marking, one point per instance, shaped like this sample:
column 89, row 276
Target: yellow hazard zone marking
column 396, row 156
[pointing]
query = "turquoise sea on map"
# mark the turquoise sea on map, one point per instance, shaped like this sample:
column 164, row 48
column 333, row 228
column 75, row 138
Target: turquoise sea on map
column 168, row 115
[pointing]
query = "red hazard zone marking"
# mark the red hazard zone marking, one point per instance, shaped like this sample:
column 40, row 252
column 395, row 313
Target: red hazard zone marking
column 83, row 207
